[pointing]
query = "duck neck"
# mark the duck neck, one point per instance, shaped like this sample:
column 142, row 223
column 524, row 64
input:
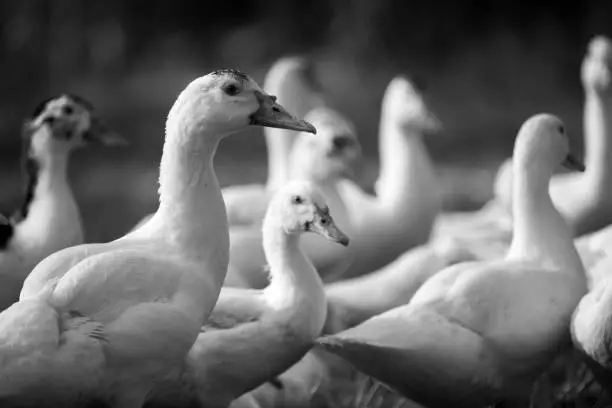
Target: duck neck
column 279, row 143
column 50, row 215
column 46, row 175
column 295, row 291
column 540, row 233
column 191, row 205
column 597, row 130
column 402, row 156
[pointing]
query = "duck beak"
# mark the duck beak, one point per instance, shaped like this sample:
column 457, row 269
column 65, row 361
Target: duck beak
column 271, row 114
column 98, row 133
column 572, row 163
column 324, row 225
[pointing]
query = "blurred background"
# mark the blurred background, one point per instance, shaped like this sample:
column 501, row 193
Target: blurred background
column 488, row 65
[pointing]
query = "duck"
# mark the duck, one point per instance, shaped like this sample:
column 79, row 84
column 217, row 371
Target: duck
column 254, row 335
column 407, row 196
column 48, row 218
column 324, row 158
column 291, row 79
column 106, row 321
column 583, row 198
column 481, row 332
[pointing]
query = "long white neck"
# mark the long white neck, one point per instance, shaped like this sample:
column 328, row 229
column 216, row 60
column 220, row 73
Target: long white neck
column 191, row 204
column 52, row 220
column 279, row 143
column 295, row 291
column 541, row 235
column 403, row 160
column 598, row 135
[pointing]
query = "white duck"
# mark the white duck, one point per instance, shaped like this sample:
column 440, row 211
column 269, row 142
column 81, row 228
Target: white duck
column 584, row 199
column 108, row 320
column 408, row 198
column 254, row 335
column 48, row 219
column 323, row 159
column 291, row 79
column 480, row 332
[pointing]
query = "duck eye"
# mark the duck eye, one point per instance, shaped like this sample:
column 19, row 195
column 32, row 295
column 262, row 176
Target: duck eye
column 231, row 89
column 561, row 129
column 296, row 200
column 68, row 110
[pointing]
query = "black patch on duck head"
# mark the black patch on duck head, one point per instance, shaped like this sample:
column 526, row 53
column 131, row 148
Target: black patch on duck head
column 232, row 72
column 7, row 230
column 81, row 101
column 41, row 107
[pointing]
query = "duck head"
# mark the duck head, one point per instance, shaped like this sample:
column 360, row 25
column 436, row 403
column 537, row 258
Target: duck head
column 64, row 123
column 227, row 101
column 330, row 155
column 595, row 71
column 404, row 104
column 543, row 141
column 299, row 207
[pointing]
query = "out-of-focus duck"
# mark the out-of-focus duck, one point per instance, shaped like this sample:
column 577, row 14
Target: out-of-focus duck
column 584, row 199
column 254, row 335
column 481, row 332
column 324, row 158
column 109, row 320
column 48, row 219
column 401, row 214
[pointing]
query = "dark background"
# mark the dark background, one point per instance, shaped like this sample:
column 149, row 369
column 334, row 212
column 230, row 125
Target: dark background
column 488, row 65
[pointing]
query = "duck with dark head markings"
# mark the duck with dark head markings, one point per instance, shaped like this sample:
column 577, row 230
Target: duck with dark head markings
column 478, row 333
column 291, row 79
column 48, row 219
column 106, row 321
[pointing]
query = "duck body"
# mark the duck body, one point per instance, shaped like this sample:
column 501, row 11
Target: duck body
column 139, row 301
column 478, row 333
column 49, row 218
column 352, row 301
column 480, row 355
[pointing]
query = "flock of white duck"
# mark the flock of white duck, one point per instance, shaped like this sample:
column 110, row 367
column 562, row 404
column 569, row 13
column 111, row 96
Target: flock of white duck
column 220, row 298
